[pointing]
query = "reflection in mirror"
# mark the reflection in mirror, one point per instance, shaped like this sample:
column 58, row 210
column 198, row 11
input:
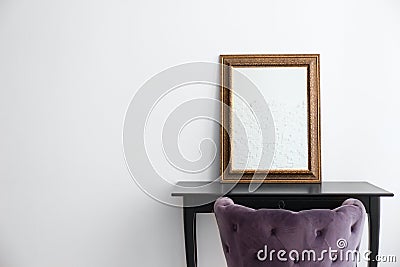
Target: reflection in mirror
column 285, row 91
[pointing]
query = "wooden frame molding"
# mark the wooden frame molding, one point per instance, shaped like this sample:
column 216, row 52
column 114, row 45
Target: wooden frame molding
column 312, row 63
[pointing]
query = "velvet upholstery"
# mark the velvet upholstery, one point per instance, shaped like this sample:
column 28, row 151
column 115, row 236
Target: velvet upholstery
column 245, row 231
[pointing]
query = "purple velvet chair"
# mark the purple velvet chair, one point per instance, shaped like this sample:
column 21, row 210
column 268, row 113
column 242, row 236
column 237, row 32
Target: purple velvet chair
column 249, row 236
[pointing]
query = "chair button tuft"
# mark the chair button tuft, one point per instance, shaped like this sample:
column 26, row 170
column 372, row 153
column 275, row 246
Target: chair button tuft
column 318, row 232
column 235, row 228
column 226, row 248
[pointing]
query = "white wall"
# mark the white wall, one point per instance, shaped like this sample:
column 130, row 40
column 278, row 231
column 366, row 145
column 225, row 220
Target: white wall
column 68, row 70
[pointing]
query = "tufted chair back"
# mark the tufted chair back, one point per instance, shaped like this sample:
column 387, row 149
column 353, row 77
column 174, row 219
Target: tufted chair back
column 249, row 236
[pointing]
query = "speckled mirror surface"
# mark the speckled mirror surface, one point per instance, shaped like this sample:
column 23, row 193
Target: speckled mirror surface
column 285, row 91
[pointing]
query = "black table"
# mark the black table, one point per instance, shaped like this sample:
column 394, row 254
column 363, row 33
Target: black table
column 293, row 197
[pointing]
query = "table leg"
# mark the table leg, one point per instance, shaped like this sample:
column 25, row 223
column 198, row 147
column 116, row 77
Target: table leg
column 189, row 222
column 374, row 224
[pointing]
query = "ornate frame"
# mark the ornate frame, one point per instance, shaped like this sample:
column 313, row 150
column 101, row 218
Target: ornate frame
column 312, row 62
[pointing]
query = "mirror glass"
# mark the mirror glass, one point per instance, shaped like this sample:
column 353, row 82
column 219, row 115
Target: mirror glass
column 285, row 91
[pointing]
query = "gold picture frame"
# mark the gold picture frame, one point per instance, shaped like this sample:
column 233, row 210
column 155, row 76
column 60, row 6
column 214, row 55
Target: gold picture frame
column 312, row 174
